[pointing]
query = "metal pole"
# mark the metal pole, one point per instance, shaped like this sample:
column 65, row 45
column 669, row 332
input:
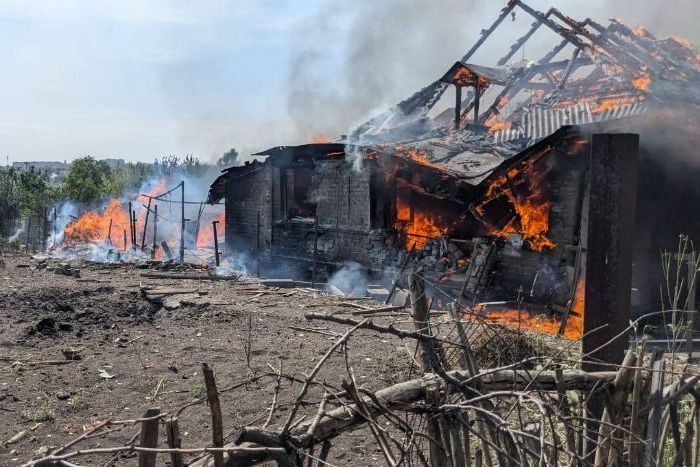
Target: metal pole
column 55, row 217
column 257, row 243
column 131, row 224
column 182, row 224
column 133, row 229
column 216, row 243
column 145, row 224
column 313, row 265
column 155, row 231
column 477, row 98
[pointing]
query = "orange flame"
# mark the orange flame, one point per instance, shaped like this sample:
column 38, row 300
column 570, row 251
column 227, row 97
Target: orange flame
column 642, row 82
column 205, row 238
column 639, row 31
column 94, row 227
column 416, row 156
column 497, row 123
column 523, row 319
column 317, row 139
column 419, row 226
column 531, row 208
column 682, row 41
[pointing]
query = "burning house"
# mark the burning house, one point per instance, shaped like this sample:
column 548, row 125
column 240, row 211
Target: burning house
column 507, row 198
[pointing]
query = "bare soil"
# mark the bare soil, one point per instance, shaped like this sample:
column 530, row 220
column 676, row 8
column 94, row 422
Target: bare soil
column 155, row 356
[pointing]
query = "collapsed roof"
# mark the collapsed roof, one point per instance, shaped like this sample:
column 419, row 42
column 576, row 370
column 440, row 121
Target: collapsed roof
column 592, row 74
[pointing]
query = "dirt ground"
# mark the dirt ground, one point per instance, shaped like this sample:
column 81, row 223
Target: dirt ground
column 154, row 356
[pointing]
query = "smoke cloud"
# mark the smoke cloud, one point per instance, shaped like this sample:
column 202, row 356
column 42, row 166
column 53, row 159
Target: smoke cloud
column 359, row 58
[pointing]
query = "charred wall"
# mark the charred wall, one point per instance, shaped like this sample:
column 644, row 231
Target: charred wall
column 546, row 276
column 248, row 198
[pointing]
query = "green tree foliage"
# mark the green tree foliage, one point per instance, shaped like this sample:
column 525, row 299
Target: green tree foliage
column 230, row 158
column 89, row 181
column 34, row 192
column 128, row 177
column 9, row 198
column 25, row 193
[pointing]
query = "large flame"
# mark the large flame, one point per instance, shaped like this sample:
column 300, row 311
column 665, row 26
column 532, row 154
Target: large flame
column 419, row 157
column 523, row 319
column 531, row 206
column 317, row 139
column 95, row 227
column 205, row 237
column 419, row 225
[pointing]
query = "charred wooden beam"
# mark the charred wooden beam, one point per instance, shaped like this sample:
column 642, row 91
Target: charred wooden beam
column 458, row 105
column 610, row 245
column 487, row 32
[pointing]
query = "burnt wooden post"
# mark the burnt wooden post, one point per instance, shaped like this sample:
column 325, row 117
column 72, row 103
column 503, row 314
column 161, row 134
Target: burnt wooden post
column 167, row 250
column 609, row 235
column 109, row 231
column 421, row 322
column 155, row 231
column 149, row 437
column 216, row 418
column 124, row 239
column 216, row 242
column 257, row 243
column 477, row 101
column 458, row 105
column 610, row 244
column 172, row 431
column 131, row 224
column 55, row 220
column 313, row 265
column 182, row 223
column 133, row 229
column 145, row 224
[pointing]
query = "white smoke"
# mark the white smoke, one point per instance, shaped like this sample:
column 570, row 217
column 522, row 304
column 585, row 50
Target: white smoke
column 18, row 233
column 350, row 279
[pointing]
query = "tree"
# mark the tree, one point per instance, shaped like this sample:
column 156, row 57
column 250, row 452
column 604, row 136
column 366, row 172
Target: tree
column 34, row 192
column 230, row 158
column 89, row 181
column 9, row 198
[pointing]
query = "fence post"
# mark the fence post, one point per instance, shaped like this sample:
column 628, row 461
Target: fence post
column 216, row 419
column 172, row 431
column 149, row 437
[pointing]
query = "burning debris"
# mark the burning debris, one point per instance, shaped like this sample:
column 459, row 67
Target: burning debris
column 132, row 229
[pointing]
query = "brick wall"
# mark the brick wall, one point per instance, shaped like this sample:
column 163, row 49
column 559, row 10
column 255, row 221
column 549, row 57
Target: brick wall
column 245, row 198
column 342, row 196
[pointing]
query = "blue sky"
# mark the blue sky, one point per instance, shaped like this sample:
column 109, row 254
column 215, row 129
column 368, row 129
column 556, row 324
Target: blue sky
column 140, row 79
